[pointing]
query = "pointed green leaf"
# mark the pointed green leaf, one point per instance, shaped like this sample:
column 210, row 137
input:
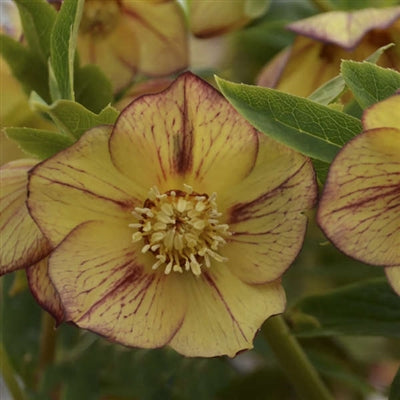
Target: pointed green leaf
column 310, row 128
column 369, row 308
column 73, row 118
column 92, row 88
column 63, row 45
column 25, row 66
column 37, row 18
column 368, row 82
column 39, row 143
column 329, row 91
column 395, row 388
column 332, row 89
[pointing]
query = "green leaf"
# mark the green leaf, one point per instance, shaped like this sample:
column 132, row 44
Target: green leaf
column 368, row 82
column 63, row 46
column 369, row 308
column 92, row 88
column 39, row 143
column 73, row 118
column 25, row 66
column 310, row 128
column 37, row 18
column 395, row 388
column 331, row 90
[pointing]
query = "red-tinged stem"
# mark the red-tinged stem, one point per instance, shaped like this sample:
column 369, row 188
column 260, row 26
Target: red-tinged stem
column 294, row 361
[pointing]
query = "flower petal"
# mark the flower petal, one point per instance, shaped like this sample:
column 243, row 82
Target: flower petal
column 343, row 28
column 43, row 289
column 223, row 313
column 265, row 213
column 22, row 242
column 393, row 276
column 106, row 285
column 216, row 18
column 381, row 114
column 79, row 184
column 186, row 134
column 161, row 35
column 117, row 59
column 360, row 207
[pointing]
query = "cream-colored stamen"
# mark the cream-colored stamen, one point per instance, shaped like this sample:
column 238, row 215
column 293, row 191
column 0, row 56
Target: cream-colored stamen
column 181, row 229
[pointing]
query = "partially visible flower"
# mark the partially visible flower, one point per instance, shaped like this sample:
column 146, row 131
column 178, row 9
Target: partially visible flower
column 324, row 40
column 175, row 225
column 212, row 18
column 124, row 37
column 360, row 207
column 23, row 246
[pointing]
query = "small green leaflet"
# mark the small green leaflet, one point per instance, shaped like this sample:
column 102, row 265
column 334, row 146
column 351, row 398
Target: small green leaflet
column 62, row 48
column 72, row 118
column 39, row 143
column 37, row 17
column 369, row 308
column 368, row 82
column 310, row 128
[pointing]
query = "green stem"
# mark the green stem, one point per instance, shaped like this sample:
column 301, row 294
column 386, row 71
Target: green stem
column 294, row 361
column 9, row 375
column 47, row 342
column 323, row 5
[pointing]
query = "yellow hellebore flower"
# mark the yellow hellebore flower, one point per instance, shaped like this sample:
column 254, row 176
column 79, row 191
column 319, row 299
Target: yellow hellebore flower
column 22, row 245
column 175, row 225
column 124, row 37
column 324, row 40
column 360, row 207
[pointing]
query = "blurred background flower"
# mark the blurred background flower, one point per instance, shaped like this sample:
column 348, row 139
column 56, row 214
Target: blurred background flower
column 324, row 40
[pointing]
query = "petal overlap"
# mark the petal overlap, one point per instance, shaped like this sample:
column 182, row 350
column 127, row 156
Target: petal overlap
column 186, row 134
column 265, row 213
column 106, row 286
column 224, row 313
column 22, row 243
column 78, row 184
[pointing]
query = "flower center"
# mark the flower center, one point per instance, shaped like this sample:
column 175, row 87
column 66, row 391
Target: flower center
column 99, row 17
column 181, row 229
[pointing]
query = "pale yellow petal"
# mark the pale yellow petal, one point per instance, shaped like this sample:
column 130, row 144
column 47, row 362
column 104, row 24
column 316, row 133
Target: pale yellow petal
column 265, row 213
column 343, row 28
column 107, row 285
column 186, row 134
column 383, row 114
column 160, row 33
column 22, row 243
column 79, row 184
column 360, row 207
column 393, row 276
column 211, row 18
column 43, row 289
column 223, row 313
column 117, row 57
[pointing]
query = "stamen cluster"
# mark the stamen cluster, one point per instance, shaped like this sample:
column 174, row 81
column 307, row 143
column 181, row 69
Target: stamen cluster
column 181, row 229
